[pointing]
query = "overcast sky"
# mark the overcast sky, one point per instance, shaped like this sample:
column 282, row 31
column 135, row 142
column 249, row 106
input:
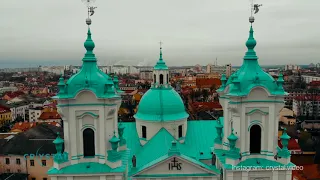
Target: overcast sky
column 129, row 31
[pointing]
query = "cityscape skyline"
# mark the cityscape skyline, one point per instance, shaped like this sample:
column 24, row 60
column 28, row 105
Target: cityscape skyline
column 197, row 32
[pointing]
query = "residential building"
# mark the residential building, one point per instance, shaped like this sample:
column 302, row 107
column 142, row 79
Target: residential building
column 208, row 68
column 209, row 75
column 21, row 153
column 308, row 79
column 19, row 109
column 51, row 116
column 292, row 67
column 306, row 105
column 228, row 70
column 5, row 115
column 287, row 117
column 189, row 81
column 8, row 89
column 10, row 95
column 146, row 74
column 35, row 113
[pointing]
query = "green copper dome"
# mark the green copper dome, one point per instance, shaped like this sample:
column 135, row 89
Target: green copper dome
column 251, row 75
column 161, row 65
column 90, row 77
column 161, row 104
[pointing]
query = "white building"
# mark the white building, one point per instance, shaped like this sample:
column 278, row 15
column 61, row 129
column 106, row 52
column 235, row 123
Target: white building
column 19, row 110
column 35, row 113
column 292, row 67
column 308, row 79
column 306, row 104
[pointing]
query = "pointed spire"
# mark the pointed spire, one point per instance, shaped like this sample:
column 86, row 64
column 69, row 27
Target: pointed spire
column 251, row 44
column 161, row 64
column 58, row 143
column 114, row 141
column 89, row 45
column 61, row 85
column 232, row 139
column 285, row 139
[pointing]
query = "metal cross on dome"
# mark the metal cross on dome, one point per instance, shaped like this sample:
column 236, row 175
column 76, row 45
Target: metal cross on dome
column 160, row 44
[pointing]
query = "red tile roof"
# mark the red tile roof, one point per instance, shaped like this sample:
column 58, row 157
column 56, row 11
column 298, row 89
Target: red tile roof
column 308, row 98
column 23, row 126
column 309, row 172
column 14, row 94
column 206, row 105
column 4, row 109
column 314, row 83
column 207, row 82
column 49, row 115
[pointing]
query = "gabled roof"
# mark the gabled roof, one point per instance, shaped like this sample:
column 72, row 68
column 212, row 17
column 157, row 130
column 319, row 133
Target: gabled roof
column 49, row 115
column 209, row 169
column 29, row 142
column 197, row 145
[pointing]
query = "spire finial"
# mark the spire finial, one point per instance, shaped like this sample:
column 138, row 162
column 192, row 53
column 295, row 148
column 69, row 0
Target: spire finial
column 91, row 8
column 254, row 10
column 160, row 50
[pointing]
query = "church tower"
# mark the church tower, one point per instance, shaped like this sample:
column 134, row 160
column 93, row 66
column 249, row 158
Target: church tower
column 161, row 72
column 161, row 107
column 247, row 135
column 88, row 104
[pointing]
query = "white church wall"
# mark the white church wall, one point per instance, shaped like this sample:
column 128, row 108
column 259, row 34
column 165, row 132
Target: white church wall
column 88, row 112
column 154, row 127
column 180, row 178
column 260, row 174
column 164, row 168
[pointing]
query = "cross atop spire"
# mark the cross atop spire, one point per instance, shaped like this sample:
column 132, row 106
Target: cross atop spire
column 160, row 44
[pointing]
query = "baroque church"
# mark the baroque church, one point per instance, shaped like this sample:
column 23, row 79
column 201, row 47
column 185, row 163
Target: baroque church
column 162, row 143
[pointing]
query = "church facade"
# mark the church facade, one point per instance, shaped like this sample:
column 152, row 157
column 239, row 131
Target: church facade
column 162, row 143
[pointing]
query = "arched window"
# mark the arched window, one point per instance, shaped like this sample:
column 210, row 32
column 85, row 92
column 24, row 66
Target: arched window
column 168, row 78
column 88, row 143
column 255, row 139
column 161, row 78
column 154, row 78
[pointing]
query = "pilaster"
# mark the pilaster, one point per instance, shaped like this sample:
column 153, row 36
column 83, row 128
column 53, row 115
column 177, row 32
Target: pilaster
column 275, row 175
column 103, row 178
column 244, row 175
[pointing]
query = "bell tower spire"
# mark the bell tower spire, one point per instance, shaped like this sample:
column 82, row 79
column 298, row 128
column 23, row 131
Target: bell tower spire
column 161, row 72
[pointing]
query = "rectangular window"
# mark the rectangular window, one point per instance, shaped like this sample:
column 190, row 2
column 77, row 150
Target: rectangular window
column 33, row 178
column 18, row 161
column 7, row 161
column 8, row 170
column 19, row 171
column 180, row 131
column 144, row 132
column 44, row 163
column 31, row 162
column 44, row 178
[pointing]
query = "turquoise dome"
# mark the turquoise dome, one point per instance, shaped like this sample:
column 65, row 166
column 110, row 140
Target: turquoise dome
column 251, row 75
column 161, row 104
column 90, row 77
